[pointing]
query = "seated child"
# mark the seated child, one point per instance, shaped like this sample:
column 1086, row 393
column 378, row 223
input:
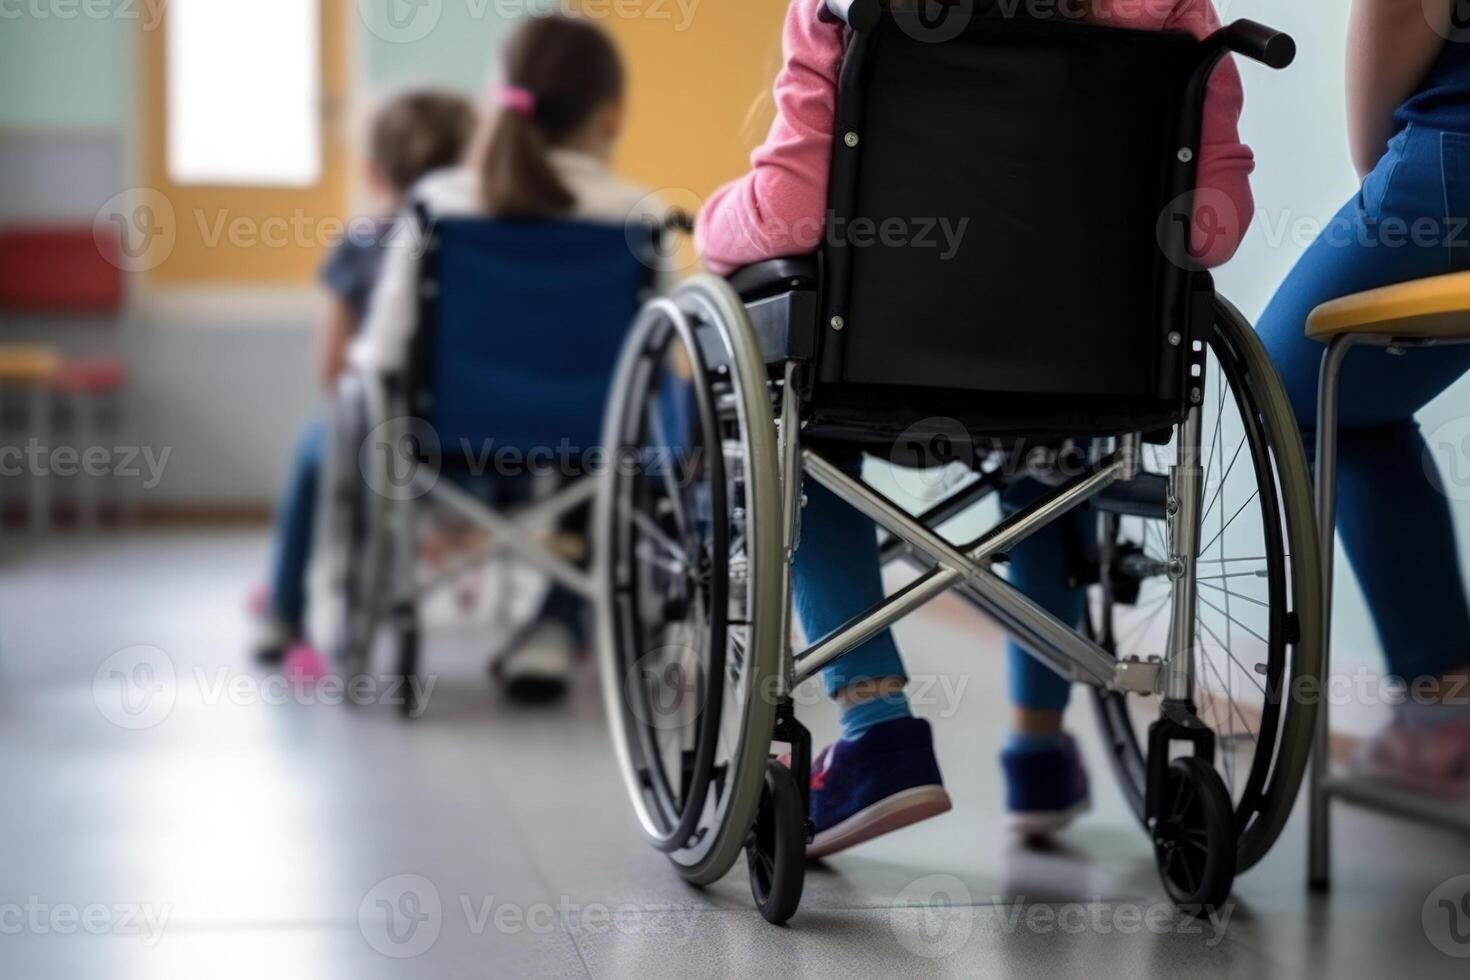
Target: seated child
column 556, row 119
column 411, row 135
column 882, row 775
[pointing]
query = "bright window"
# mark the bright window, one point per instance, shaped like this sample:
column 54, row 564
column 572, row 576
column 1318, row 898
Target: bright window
column 244, row 93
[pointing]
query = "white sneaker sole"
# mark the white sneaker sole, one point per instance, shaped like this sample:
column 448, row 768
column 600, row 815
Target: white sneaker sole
column 884, row 817
column 1045, row 823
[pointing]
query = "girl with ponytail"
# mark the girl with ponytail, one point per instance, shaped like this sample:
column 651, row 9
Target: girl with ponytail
column 554, row 119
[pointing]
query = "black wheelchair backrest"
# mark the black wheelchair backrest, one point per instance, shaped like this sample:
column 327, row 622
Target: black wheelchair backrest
column 1010, row 208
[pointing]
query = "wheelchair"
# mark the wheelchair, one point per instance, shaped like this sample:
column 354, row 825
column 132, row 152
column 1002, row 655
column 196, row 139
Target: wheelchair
column 507, row 378
column 1069, row 330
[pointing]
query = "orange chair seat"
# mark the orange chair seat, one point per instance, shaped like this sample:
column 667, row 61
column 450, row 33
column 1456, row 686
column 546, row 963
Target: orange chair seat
column 28, row 365
column 1427, row 309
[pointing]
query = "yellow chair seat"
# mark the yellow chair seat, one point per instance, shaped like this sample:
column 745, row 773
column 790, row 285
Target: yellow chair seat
column 1428, row 309
column 28, row 365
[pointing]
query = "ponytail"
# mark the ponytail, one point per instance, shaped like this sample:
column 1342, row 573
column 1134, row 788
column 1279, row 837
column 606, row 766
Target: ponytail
column 517, row 179
column 559, row 72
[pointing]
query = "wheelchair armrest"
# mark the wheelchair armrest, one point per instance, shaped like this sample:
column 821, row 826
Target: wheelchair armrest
column 775, row 276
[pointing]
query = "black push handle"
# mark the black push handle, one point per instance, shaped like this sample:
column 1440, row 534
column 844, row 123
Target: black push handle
column 1272, row 48
column 861, row 15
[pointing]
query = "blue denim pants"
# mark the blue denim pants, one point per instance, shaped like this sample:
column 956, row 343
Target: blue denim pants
column 1409, row 221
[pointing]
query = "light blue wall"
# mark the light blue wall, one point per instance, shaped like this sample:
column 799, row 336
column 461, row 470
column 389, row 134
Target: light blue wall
column 63, row 72
column 458, row 50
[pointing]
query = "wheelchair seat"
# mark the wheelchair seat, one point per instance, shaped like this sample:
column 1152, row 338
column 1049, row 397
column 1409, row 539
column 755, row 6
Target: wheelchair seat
column 1427, row 309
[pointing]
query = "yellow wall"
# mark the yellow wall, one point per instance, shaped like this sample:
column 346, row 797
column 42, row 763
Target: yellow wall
column 249, row 234
column 692, row 93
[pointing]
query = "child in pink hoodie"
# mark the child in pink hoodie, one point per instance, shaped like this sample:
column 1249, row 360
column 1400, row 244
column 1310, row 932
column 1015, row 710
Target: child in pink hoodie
column 882, row 774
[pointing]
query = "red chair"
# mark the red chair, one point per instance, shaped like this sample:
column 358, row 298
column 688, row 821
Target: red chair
column 64, row 272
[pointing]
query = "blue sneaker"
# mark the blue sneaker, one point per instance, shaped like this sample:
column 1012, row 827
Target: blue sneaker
column 1046, row 787
column 883, row 780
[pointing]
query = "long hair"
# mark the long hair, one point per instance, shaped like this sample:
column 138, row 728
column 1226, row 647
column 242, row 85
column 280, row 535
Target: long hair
column 565, row 70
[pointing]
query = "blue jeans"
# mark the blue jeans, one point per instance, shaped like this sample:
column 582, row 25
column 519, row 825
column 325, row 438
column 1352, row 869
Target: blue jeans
column 1394, row 524
column 296, row 529
column 296, row 533
column 838, row 574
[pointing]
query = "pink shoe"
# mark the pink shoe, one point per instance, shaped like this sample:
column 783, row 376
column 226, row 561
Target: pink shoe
column 304, row 665
column 1433, row 760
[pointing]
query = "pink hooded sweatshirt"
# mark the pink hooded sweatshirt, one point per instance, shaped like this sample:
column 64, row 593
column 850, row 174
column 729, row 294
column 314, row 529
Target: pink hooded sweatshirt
column 779, row 207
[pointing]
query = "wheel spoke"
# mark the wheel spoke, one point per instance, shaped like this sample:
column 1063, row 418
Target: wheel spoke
column 657, row 534
column 1224, row 478
column 1220, row 643
column 671, row 486
column 1254, row 494
column 1235, row 595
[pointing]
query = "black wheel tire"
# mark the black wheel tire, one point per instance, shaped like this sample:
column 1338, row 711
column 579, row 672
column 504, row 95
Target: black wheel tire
column 1194, row 837
column 776, row 850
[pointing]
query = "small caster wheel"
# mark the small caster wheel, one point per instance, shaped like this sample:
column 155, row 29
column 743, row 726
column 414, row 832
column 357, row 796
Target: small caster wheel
column 1194, row 837
column 775, row 851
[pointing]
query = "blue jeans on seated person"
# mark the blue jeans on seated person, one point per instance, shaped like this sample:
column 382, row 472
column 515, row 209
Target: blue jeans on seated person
column 1408, row 222
column 838, row 574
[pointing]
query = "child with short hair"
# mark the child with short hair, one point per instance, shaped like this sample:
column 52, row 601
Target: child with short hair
column 411, row 135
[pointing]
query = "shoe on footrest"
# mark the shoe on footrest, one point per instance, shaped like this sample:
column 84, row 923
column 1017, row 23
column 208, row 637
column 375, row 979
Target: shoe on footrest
column 883, row 780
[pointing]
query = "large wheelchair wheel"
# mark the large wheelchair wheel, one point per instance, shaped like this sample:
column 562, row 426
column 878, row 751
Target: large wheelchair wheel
column 1259, row 606
column 354, row 530
column 689, row 552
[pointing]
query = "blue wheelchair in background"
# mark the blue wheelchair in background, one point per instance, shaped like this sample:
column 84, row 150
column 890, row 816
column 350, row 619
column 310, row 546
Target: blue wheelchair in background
column 489, row 424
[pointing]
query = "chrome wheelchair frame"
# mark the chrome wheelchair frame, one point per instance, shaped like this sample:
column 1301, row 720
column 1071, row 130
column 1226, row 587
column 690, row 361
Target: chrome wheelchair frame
column 759, row 358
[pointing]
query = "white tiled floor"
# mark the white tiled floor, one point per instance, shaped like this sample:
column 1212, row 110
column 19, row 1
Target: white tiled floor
column 261, row 836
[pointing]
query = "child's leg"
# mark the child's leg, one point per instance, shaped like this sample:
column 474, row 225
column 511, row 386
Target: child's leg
column 1046, row 785
column 1040, row 568
column 882, row 774
column 837, row 575
column 295, row 530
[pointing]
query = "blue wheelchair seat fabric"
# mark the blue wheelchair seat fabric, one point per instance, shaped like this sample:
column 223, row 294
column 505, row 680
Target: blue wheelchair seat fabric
column 522, row 324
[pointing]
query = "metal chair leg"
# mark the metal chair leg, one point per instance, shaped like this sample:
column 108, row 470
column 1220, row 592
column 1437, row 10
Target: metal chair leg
column 1319, row 843
column 39, row 516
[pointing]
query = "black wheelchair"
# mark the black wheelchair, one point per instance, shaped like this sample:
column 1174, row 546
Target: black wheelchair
column 1070, row 322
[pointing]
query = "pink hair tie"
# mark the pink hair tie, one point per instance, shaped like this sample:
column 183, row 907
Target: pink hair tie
column 519, row 100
